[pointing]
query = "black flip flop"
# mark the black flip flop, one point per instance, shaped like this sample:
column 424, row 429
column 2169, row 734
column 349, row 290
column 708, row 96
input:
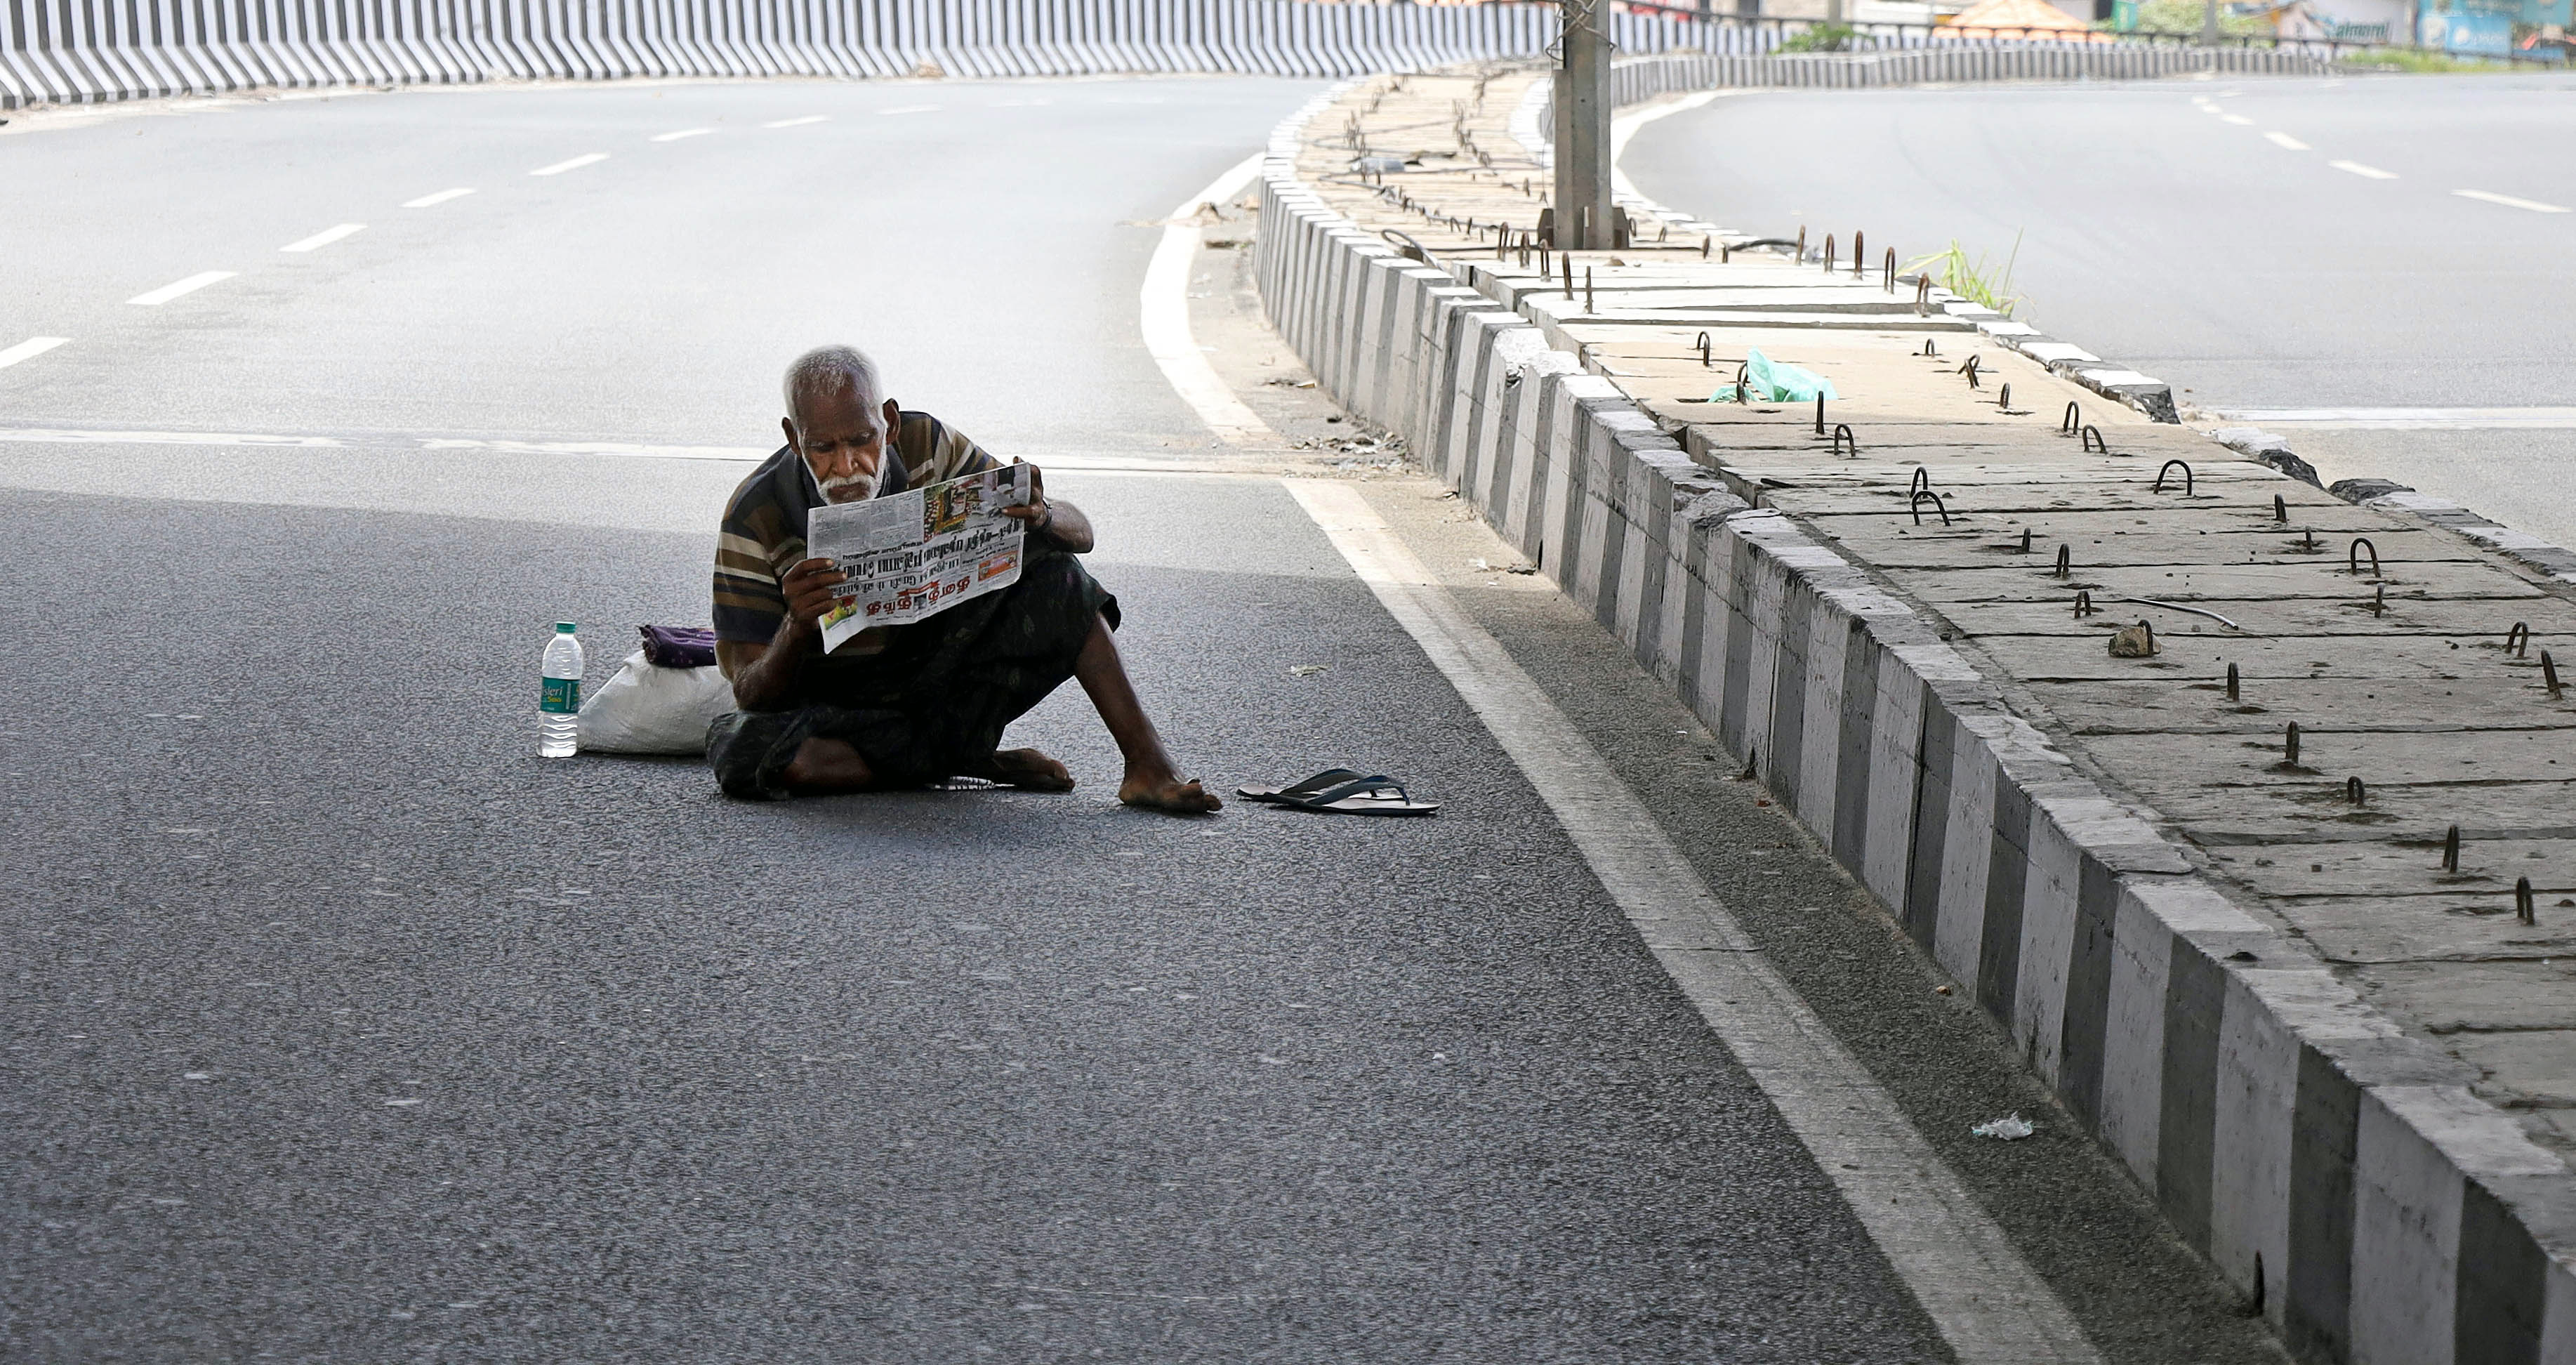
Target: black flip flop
column 1379, row 795
column 1289, row 796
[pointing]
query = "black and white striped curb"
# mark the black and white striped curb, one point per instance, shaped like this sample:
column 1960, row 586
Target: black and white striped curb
column 81, row 51
column 2340, row 1174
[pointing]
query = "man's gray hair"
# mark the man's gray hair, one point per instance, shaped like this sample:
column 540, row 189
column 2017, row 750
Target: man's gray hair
column 829, row 371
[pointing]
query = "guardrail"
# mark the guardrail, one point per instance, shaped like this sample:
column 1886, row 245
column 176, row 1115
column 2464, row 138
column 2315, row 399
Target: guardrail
column 1646, row 77
column 94, row 50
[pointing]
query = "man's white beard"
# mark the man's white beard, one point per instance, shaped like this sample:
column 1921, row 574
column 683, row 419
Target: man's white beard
column 855, row 488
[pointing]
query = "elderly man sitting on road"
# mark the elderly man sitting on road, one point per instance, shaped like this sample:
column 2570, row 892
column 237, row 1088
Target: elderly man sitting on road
column 901, row 706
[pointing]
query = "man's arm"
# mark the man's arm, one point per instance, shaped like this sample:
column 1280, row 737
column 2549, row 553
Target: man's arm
column 764, row 675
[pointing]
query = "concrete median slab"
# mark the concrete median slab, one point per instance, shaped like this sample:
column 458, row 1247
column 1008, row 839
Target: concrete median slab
column 2231, row 966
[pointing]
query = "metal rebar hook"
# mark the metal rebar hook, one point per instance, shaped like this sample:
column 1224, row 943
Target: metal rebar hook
column 1829, row 253
column 2073, row 421
column 1702, row 344
column 1929, row 348
column 2003, row 397
column 2354, row 792
column 2523, row 905
column 1844, row 439
column 1889, row 270
column 2084, row 603
column 2352, row 556
column 1914, row 504
column 1920, row 483
column 2091, row 438
column 2517, row 641
column 1820, row 414
column 1860, row 255
column 1922, row 296
column 2451, row 849
column 2290, row 745
column 2280, row 509
column 2231, row 682
column 2167, row 467
column 2065, row 561
column 2549, row 674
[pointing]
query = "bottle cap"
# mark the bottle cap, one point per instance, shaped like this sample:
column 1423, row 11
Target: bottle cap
column 563, row 627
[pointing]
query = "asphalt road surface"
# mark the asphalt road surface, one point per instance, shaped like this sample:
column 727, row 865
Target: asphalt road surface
column 2377, row 268
column 342, row 1027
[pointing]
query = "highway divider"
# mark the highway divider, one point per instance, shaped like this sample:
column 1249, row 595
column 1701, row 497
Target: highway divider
column 87, row 51
column 2338, row 1166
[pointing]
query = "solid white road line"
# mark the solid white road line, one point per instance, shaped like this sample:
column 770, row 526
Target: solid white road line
column 325, row 237
column 1981, row 1296
column 173, row 290
column 911, row 109
column 429, row 200
column 388, row 443
column 1163, row 314
column 797, row 122
column 2366, row 172
column 685, row 132
column 2509, row 201
column 29, row 349
column 2408, row 419
column 2285, row 140
column 576, row 163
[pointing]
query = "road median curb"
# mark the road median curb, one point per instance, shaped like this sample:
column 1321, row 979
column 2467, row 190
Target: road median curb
column 2341, row 1169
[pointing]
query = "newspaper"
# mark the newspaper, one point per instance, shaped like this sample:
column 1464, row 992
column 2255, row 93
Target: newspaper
column 915, row 554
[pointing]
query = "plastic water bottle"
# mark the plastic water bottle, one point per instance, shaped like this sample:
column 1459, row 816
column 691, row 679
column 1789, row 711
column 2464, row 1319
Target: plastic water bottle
column 559, row 706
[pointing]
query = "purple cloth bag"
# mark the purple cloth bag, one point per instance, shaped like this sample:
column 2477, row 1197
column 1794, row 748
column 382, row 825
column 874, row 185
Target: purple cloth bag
column 679, row 646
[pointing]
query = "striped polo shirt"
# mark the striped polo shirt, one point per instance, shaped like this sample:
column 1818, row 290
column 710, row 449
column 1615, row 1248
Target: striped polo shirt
column 763, row 535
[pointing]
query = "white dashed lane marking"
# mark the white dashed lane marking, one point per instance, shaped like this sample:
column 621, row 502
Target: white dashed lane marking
column 912, row 109
column 685, row 132
column 2285, row 140
column 2509, row 201
column 325, row 237
column 2366, row 172
column 29, row 349
column 576, row 163
column 2238, row 119
column 797, row 122
column 431, row 200
column 176, row 288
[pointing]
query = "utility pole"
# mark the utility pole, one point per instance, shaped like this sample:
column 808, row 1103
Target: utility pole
column 1582, row 209
column 2209, row 26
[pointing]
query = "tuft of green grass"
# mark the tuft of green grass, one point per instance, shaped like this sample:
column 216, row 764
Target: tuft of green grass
column 1971, row 280
column 1821, row 38
column 2420, row 60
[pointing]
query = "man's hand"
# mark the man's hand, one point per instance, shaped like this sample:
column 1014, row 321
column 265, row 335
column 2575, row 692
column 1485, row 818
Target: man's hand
column 1032, row 514
column 808, row 587
column 1060, row 522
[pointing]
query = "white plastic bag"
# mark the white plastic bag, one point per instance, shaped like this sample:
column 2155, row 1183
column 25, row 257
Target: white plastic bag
column 649, row 709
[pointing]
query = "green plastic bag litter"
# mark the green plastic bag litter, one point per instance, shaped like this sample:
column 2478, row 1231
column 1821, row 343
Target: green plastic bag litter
column 1766, row 382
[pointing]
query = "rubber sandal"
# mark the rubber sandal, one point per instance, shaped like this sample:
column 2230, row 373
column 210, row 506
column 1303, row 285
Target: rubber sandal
column 1289, row 796
column 1366, row 796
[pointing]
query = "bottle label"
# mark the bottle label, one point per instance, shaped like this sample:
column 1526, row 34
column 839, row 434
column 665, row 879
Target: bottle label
column 562, row 696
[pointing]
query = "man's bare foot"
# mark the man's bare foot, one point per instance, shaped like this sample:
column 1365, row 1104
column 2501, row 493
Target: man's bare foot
column 1028, row 770
column 1163, row 790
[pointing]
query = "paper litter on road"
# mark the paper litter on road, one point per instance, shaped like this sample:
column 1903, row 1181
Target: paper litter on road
column 2010, row 1128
